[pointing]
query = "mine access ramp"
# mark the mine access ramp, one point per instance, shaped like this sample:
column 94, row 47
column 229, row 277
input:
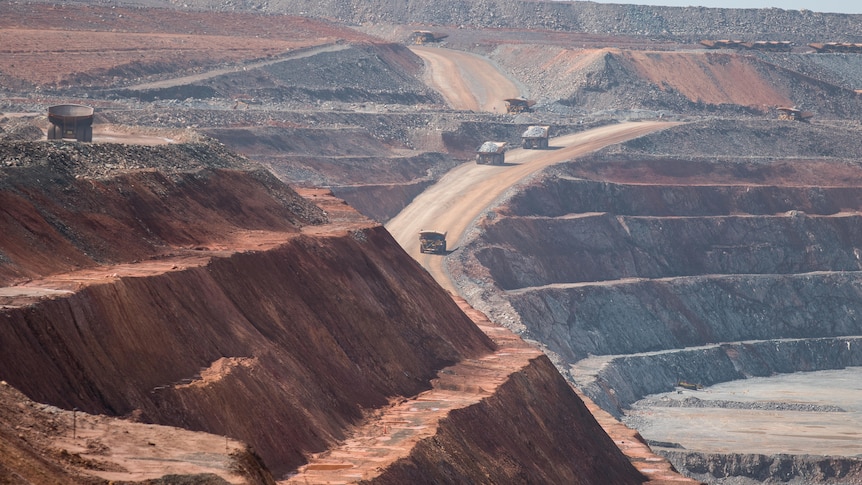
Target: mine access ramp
column 71, row 121
column 432, row 242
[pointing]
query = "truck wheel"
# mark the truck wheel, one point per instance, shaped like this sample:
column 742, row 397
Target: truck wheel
column 52, row 132
column 88, row 134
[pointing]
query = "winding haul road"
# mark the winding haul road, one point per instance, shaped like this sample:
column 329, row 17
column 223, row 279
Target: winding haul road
column 455, row 202
column 467, row 81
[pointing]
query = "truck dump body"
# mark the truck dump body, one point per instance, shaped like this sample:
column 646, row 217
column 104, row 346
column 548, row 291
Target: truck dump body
column 536, row 136
column 71, row 121
column 491, row 153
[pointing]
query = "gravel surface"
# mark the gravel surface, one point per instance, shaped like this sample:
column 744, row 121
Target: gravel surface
column 684, row 23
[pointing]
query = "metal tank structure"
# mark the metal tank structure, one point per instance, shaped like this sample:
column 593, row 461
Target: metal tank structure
column 71, row 121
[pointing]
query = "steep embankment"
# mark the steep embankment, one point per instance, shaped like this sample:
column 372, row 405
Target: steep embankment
column 203, row 294
column 216, row 330
column 68, row 207
column 506, row 417
column 702, row 246
column 635, row 258
column 517, row 435
column 684, row 81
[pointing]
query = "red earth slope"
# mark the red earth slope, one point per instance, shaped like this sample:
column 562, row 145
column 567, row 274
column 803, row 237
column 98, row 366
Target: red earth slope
column 302, row 332
column 197, row 292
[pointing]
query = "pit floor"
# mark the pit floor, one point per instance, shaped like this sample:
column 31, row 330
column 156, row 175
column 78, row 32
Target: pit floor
column 760, row 431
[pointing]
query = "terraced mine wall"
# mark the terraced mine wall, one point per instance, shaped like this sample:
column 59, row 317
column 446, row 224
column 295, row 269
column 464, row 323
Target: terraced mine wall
column 181, row 285
column 634, row 376
column 636, row 270
column 377, row 164
column 701, row 264
column 761, row 468
column 153, row 318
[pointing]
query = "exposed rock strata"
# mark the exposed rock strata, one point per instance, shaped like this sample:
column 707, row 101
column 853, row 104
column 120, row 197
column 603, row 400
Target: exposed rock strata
column 621, row 380
column 750, row 469
column 637, row 270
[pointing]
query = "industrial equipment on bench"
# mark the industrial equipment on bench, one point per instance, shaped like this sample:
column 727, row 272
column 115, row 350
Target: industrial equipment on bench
column 71, row 121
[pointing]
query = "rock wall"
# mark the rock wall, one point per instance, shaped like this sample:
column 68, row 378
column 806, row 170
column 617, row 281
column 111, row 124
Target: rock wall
column 304, row 338
column 752, row 469
column 612, row 247
column 627, row 379
column 654, row 315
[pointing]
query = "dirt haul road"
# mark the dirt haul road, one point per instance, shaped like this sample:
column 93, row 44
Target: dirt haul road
column 455, row 202
column 467, row 81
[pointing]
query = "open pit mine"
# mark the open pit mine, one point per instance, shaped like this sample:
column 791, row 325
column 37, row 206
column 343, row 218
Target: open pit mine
column 453, row 242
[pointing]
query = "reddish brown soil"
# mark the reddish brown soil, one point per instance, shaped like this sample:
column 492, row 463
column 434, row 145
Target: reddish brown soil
column 44, row 444
column 709, row 78
column 76, row 44
column 91, row 223
column 508, row 417
column 300, row 323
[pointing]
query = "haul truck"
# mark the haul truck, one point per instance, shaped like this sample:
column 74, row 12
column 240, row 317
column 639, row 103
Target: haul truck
column 432, row 242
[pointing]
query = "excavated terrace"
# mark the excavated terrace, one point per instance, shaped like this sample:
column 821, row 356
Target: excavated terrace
column 638, row 272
